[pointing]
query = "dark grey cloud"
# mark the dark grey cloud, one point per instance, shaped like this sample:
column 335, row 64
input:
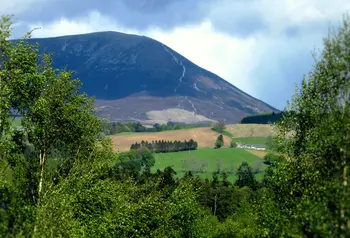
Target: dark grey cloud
column 238, row 18
column 137, row 14
column 275, row 84
column 235, row 17
column 309, row 28
column 282, row 66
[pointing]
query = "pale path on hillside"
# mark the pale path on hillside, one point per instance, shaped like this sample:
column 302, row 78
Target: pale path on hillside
column 195, row 110
column 196, row 87
column 179, row 62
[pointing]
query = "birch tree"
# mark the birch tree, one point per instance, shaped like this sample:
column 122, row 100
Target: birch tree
column 311, row 184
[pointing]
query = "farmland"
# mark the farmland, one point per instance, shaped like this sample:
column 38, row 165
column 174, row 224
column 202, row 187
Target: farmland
column 249, row 133
column 204, row 136
column 250, row 130
column 204, row 162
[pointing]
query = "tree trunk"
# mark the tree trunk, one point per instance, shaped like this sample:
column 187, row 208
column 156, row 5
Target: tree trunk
column 42, row 165
column 345, row 224
column 215, row 204
column 42, row 157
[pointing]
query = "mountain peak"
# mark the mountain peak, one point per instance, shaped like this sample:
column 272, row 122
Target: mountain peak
column 133, row 76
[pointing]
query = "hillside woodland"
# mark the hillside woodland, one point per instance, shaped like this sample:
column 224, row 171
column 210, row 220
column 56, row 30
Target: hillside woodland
column 264, row 118
column 60, row 178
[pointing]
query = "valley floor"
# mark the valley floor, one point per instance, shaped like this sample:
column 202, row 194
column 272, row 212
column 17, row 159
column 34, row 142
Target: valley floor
column 204, row 162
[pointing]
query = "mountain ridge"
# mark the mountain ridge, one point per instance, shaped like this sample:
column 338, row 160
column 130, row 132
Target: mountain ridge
column 115, row 66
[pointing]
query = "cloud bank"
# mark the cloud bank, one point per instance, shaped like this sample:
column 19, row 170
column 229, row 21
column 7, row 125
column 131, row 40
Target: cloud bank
column 261, row 46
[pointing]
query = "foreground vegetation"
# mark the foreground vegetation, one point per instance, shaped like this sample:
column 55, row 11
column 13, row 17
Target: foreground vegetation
column 60, row 178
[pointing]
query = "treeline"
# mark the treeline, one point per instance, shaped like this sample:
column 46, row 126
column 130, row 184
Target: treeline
column 166, row 146
column 112, row 128
column 267, row 118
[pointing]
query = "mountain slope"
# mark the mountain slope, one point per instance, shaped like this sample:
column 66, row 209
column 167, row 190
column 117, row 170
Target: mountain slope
column 138, row 78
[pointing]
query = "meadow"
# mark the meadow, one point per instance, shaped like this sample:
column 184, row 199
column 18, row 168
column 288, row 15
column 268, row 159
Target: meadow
column 204, row 162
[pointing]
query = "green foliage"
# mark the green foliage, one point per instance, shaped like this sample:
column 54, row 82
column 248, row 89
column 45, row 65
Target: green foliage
column 245, row 176
column 57, row 124
column 112, row 128
column 58, row 177
column 123, row 208
column 310, row 184
column 166, row 146
column 233, row 144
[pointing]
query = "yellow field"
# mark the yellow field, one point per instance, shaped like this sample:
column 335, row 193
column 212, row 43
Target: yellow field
column 251, row 130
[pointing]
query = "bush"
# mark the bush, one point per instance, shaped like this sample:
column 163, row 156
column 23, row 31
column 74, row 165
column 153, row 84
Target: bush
column 219, row 126
column 233, row 144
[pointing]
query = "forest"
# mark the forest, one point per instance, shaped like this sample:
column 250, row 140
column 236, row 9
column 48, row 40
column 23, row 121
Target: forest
column 59, row 176
column 166, row 146
column 265, row 118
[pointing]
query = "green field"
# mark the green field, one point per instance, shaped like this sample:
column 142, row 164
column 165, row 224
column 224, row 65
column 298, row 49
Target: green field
column 245, row 140
column 251, row 140
column 204, row 162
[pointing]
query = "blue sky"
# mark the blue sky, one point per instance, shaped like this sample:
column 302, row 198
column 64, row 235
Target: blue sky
column 261, row 46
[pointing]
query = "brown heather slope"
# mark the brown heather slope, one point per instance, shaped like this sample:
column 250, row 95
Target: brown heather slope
column 204, row 136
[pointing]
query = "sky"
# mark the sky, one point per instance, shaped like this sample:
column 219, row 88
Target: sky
column 263, row 47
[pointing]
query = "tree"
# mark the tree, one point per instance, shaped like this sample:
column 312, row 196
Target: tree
column 219, row 142
column 156, row 126
column 269, row 143
column 233, row 144
column 58, row 122
column 311, row 183
column 146, row 157
column 245, row 176
column 220, row 126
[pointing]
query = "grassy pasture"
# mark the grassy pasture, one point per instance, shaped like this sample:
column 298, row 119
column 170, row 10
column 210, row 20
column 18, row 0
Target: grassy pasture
column 204, row 162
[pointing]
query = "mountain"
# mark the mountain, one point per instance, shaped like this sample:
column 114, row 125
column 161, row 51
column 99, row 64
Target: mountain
column 138, row 78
